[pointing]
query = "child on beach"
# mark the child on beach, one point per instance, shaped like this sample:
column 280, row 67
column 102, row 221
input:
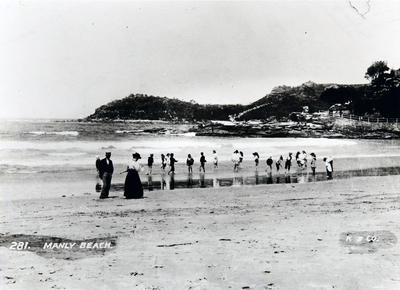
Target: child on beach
column 298, row 159
column 215, row 159
column 269, row 164
column 150, row 161
column 202, row 162
column 168, row 159
column 172, row 162
column 189, row 163
column 278, row 163
column 235, row 160
column 256, row 158
column 313, row 163
column 304, row 160
column 163, row 162
column 240, row 157
column 328, row 167
column 288, row 163
column 330, row 160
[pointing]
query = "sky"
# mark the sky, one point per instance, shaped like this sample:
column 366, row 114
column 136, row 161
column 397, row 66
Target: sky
column 63, row 59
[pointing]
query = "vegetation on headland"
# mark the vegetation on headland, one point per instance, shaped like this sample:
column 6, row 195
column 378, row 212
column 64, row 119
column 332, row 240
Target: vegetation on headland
column 141, row 106
column 380, row 98
column 307, row 105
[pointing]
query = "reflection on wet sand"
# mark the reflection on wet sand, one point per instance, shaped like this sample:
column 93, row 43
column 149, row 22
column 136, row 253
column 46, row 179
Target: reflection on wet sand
column 215, row 182
column 190, row 180
column 257, row 181
column 204, row 180
column 163, row 183
column 150, row 182
column 269, row 178
column 172, row 181
column 287, row 178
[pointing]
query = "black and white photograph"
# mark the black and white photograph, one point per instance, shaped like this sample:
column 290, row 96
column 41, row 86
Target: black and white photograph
column 199, row 144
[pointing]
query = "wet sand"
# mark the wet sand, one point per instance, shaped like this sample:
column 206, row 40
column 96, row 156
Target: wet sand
column 55, row 183
column 279, row 236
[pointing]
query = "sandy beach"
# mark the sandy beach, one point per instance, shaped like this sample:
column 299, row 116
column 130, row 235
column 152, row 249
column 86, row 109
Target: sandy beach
column 281, row 236
column 289, row 109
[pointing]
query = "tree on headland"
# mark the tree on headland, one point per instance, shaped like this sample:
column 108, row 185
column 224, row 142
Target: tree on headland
column 376, row 70
column 383, row 93
column 380, row 97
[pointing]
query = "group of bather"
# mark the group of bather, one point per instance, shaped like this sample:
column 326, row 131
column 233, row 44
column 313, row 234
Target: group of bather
column 302, row 159
column 133, row 186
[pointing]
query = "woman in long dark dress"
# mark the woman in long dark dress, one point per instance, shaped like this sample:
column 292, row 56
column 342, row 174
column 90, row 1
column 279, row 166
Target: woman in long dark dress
column 133, row 186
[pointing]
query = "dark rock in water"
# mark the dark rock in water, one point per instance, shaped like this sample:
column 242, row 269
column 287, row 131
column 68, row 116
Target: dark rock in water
column 242, row 129
column 155, row 130
column 334, row 135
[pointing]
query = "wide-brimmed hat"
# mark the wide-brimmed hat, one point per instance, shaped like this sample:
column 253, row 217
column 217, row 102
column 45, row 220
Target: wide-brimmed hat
column 136, row 155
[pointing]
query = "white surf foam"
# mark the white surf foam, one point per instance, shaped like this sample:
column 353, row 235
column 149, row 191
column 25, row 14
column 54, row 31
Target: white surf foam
column 62, row 133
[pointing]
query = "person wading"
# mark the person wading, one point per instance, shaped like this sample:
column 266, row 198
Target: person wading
column 202, row 162
column 189, row 163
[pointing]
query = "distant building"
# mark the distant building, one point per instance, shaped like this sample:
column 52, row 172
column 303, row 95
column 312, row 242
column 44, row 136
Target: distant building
column 320, row 114
column 300, row 116
column 339, row 109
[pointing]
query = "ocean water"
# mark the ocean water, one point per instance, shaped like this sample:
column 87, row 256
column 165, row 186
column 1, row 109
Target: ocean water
column 45, row 158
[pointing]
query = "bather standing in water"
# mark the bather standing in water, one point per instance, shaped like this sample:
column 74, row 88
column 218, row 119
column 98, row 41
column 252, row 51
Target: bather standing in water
column 304, row 159
column 298, row 159
column 288, row 163
column 269, row 164
column 330, row 160
column 328, row 167
column 240, row 157
column 256, row 159
column 168, row 159
column 313, row 163
column 172, row 162
column 202, row 162
column 150, row 161
column 163, row 162
column 279, row 163
column 235, row 160
column 133, row 186
column 215, row 159
column 189, row 163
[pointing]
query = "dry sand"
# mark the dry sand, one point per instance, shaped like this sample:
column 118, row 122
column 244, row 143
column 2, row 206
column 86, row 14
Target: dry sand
column 281, row 236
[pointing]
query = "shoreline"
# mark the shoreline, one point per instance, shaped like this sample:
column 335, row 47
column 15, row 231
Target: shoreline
column 83, row 182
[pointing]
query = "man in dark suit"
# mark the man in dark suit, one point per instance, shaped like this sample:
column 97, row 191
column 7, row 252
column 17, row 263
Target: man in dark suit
column 106, row 169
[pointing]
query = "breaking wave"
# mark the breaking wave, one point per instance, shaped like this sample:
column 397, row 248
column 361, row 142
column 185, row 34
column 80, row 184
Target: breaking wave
column 61, row 133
